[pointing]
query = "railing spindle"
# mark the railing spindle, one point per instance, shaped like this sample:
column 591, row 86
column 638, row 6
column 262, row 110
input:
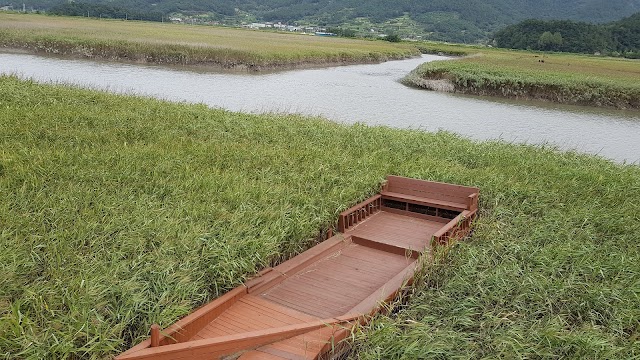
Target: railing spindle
column 155, row 335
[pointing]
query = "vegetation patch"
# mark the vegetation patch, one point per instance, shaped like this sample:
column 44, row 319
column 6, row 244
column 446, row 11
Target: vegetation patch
column 187, row 45
column 118, row 212
column 568, row 79
column 619, row 38
column 463, row 21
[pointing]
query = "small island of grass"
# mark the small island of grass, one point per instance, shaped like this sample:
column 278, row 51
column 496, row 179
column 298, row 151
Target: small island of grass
column 175, row 44
column 562, row 78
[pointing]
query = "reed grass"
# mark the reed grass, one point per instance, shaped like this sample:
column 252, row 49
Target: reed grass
column 186, row 45
column 562, row 78
column 118, row 212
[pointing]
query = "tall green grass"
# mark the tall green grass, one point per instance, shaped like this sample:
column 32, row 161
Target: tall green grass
column 568, row 79
column 552, row 270
column 118, row 212
column 186, row 45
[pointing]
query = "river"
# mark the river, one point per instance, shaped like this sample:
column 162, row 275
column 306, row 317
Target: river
column 369, row 94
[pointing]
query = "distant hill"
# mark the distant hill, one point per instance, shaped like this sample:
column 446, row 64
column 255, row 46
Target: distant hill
column 620, row 38
column 451, row 20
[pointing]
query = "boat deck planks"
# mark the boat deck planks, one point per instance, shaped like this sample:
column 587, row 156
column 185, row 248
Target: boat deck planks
column 249, row 314
column 304, row 307
column 399, row 230
column 306, row 346
column 334, row 285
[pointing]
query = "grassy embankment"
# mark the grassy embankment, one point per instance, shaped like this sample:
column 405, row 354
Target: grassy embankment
column 562, row 78
column 118, row 212
column 187, row 45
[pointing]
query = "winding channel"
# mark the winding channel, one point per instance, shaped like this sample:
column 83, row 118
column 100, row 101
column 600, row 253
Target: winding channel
column 368, row 94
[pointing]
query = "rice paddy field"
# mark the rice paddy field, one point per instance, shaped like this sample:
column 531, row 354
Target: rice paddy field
column 165, row 43
column 563, row 78
column 118, row 212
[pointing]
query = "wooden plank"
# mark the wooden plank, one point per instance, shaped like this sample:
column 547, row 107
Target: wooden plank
column 327, row 281
column 299, row 262
column 311, row 344
column 307, row 298
column 263, row 278
column 332, row 284
column 302, row 297
column 288, row 346
column 202, row 349
column 249, row 314
column 309, row 291
column 454, row 204
column 432, row 186
column 331, row 287
column 428, row 192
column 212, row 331
column 231, row 325
column 189, row 326
column 472, row 201
column 342, row 269
column 285, row 312
column 303, row 294
column 397, row 230
column 284, row 351
column 427, row 199
column 311, row 310
column 257, row 319
column 416, row 242
column 415, row 215
column 268, row 316
column 260, row 311
column 389, row 248
column 372, row 256
column 386, row 292
column 260, row 317
column 346, row 264
column 258, row 355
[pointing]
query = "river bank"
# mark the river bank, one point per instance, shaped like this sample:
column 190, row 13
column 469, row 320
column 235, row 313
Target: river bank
column 375, row 97
column 560, row 78
column 176, row 44
column 120, row 211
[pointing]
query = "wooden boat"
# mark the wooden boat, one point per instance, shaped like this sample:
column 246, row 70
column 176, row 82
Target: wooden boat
column 303, row 308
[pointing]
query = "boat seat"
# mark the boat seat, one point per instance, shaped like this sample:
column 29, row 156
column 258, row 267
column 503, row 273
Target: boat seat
column 437, row 203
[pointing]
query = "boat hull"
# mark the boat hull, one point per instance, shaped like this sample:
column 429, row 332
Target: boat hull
column 305, row 306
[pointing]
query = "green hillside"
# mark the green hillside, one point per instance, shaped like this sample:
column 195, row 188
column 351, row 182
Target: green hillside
column 459, row 21
column 616, row 38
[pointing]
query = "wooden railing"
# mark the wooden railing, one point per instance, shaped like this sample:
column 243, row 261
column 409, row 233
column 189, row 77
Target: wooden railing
column 356, row 214
column 456, row 229
column 472, row 201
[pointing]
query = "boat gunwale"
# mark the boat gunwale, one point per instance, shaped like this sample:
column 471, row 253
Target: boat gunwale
column 231, row 343
column 183, row 324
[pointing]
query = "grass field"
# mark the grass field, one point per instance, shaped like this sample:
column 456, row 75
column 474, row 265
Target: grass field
column 183, row 44
column 563, row 78
column 118, row 212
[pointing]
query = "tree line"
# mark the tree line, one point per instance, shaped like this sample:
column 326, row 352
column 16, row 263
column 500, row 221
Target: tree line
column 468, row 21
column 618, row 38
column 105, row 11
